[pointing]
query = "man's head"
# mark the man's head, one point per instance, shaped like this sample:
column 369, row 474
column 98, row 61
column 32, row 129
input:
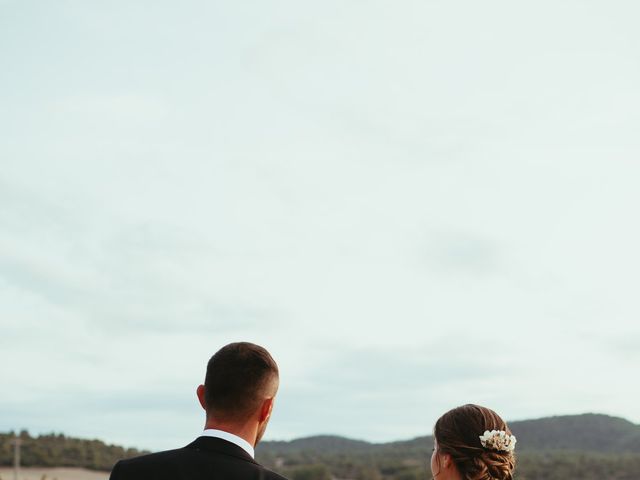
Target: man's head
column 240, row 385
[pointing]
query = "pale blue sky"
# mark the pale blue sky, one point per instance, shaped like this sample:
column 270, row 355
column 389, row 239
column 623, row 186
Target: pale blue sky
column 413, row 205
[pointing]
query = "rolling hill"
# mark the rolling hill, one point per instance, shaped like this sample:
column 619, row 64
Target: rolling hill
column 574, row 447
column 589, row 432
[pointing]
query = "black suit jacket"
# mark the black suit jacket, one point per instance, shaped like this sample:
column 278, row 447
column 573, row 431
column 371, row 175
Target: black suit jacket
column 206, row 458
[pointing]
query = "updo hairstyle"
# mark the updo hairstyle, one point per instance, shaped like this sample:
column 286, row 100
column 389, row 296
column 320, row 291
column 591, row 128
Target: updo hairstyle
column 458, row 432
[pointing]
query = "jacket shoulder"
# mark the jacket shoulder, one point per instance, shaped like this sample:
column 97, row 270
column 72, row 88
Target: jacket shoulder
column 133, row 467
column 273, row 475
column 187, row 462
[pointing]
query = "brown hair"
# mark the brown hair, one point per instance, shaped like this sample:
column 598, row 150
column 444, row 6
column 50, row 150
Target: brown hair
column 239, row 377
column 458, row 432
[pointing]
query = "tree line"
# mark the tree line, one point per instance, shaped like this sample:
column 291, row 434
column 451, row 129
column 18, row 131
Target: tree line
column 565, row 465
column 581, row 447
column 58, row 450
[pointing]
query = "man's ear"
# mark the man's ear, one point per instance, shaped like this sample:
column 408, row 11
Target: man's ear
column 265, row 409
column 200, row 393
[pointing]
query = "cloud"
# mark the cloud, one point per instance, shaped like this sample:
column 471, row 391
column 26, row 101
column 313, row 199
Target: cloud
column 410, row 211
column 614, row 345
column 410, row 369
column 137, row 277
column 378, row 394
column 464, row 253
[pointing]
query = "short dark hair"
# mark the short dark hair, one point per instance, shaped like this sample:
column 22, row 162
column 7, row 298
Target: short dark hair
column 458, row 433
column 239, row 377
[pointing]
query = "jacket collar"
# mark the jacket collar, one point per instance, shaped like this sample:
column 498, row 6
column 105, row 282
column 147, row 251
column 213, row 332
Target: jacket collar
column 218, row 445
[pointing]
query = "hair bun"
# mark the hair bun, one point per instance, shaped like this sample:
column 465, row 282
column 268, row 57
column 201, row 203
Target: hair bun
column 477, row 455
column 491, row 466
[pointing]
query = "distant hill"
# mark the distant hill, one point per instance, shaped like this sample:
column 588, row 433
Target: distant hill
column 57, row 450
column 586, row 433
column 581, row 433
column 324, row 443
column 574, row 447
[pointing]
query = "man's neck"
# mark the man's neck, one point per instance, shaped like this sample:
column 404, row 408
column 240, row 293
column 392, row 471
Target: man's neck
column 247, row 431
column 230, row 437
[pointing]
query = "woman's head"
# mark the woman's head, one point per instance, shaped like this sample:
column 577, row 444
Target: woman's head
column 459, row 448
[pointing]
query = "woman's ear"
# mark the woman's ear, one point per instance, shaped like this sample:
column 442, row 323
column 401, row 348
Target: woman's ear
column 446, row 461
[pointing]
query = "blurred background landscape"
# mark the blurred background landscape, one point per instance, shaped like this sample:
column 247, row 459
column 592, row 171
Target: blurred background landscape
column 411, row 205
column 587, row 446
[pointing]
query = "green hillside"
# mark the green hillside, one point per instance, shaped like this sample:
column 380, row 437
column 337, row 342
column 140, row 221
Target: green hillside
column 576, row 447
column 587, row 433
column 57, row 450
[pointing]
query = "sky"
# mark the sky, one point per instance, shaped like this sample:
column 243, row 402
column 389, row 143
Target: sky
column 412, row 205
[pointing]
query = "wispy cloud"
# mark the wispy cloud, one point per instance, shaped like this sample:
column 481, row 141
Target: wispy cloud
column 410, row 211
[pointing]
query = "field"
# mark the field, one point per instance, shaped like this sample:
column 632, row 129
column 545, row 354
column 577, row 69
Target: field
column 6, row 473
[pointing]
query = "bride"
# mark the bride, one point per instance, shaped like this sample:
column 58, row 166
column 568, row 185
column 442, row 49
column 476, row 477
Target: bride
column 472, row 443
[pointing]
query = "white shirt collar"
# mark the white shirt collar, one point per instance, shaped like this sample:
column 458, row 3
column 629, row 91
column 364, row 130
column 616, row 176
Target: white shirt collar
column 230, row 437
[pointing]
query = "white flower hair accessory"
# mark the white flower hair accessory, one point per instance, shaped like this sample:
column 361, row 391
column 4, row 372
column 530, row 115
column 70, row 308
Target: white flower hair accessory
column 498, row 440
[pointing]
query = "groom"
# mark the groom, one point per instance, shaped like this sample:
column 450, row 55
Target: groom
column 237, row 395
